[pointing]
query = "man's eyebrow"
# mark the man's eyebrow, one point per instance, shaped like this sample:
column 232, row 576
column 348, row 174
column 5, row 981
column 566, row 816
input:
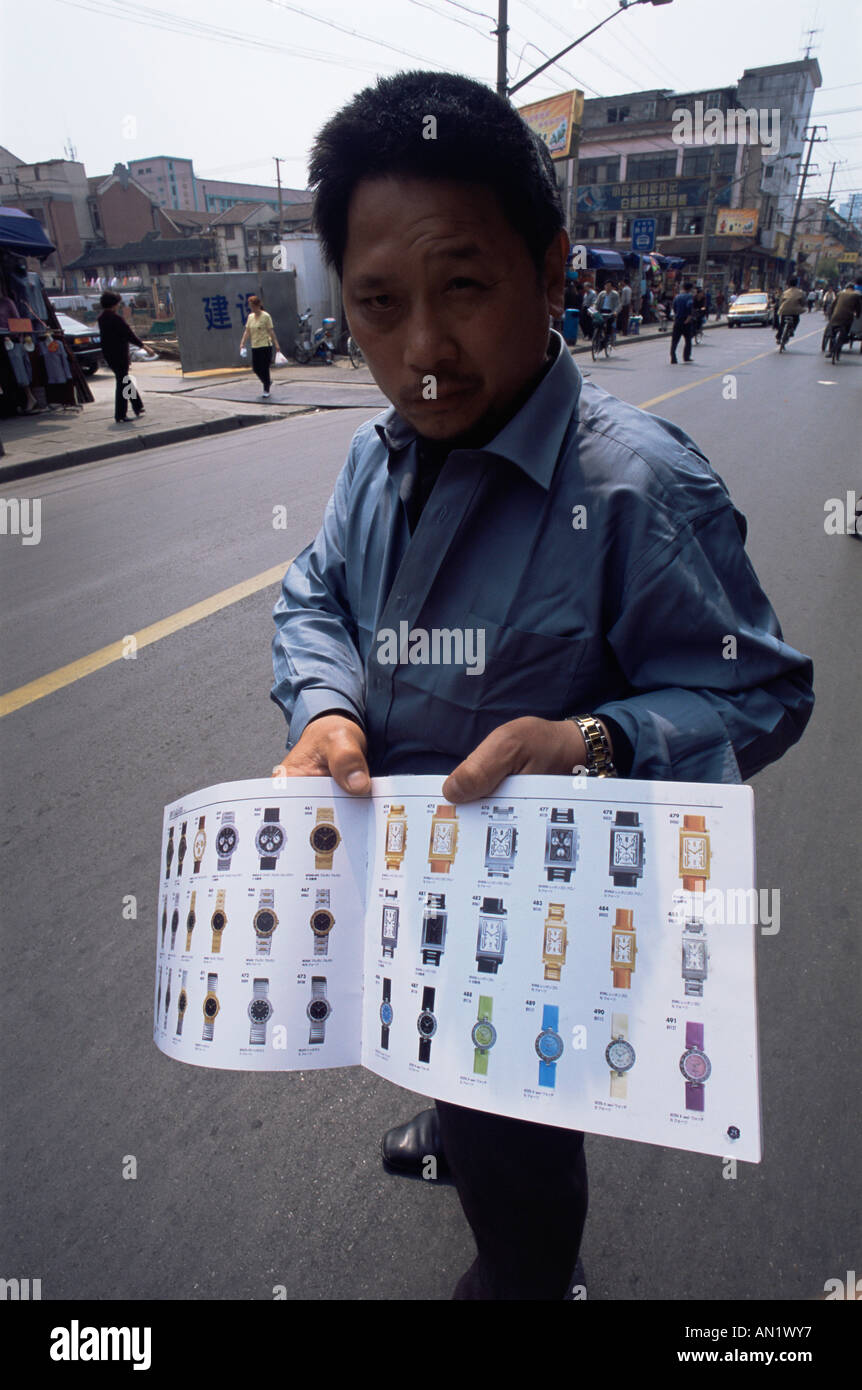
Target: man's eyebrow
column 467, row 251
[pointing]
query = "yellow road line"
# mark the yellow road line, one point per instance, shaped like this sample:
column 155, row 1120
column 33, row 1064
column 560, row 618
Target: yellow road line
column 105, row 656
column 701, row 381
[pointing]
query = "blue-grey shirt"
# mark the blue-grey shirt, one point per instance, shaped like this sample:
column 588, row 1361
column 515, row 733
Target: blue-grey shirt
column 599, row 556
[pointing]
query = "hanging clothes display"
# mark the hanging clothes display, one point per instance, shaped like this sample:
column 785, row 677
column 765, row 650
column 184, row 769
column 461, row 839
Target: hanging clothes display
column 57, row 369
column 19, row 360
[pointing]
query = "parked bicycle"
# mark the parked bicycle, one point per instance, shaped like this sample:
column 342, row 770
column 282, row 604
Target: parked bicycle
column 354, row 352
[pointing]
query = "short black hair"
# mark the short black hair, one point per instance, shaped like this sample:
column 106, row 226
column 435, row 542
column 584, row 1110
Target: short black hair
column 480, row 138
column 689, row 285
column 109, row 299
column 793, row 280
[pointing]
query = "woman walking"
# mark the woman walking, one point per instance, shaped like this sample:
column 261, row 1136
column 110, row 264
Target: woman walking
column 116, row 335
column 260, row 330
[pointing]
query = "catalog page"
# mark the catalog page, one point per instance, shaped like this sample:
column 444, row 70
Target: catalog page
column 574, row 952
column 581, row 959
column 259, row 943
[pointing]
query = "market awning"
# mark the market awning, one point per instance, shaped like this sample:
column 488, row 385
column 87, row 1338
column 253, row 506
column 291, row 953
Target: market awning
column 22, row 233
column 600, row 259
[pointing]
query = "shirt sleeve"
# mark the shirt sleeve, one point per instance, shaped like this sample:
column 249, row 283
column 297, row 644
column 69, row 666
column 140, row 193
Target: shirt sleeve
column 716, row 693
column 316, row 662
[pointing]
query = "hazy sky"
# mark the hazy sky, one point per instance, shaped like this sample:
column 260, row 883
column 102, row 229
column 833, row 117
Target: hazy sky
column 229, row 85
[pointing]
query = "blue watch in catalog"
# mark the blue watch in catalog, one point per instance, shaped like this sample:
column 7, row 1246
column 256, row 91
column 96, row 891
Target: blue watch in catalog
column 549, row 1046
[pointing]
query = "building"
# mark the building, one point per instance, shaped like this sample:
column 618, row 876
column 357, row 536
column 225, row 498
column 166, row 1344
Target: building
column 654, row 154
column 172, row 183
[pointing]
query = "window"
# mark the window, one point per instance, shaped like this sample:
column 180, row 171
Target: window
column 232, row 262
column 587, row 230
column 229, row 233
column 689, row 224
column 651, row 166
column 617, row 114
column 768, row 171
column 598, row 171
column 696, row 164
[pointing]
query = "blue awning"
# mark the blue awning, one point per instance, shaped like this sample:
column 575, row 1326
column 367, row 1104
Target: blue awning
column 598, row 259
column 21, row 233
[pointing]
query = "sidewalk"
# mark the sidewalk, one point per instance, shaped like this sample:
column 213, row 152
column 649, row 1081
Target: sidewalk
column 181, row 407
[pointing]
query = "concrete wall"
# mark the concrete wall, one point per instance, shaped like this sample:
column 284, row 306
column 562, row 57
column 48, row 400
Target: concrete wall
column 211, row 311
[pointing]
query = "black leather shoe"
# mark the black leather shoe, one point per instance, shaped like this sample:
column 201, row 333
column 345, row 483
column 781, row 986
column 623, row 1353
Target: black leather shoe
column 407, row 1149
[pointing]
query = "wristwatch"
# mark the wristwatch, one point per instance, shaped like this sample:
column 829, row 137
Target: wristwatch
column 168, row 997
column 389, row 926
column 227, row 839
column 264, row 921
column 434, row 920
column 396, row 837
column 169, row 854
column 695, row 1067
column 484, row 1035
column 620, row 1056
column 555, row 941
column 182, row 847
column 182, row 1005
column 386, row 1014
column 549, row 1046
column 322, row 922
column 211, row 1007
column 501, row 842
column 444, row 839
column 694, row 854
column 190, row 921
column 260, row 1012
column 270, row 838
column 324, row 838
column 623, row 948
column 491, row 938
column 427, row 1024
column 561, row 846
column 318, row 1010
column 627, row 849
column 164, row 920
column 218, row 921
column 175, row 921
column 597, row 749
column 200, row 844
column 694, row 956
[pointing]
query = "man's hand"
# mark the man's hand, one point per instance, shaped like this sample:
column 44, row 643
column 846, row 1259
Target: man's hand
column 522, row 745
column 330, row 747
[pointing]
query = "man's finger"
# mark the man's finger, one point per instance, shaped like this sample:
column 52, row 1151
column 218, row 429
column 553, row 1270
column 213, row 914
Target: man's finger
column 347, row 764
column 482, row 772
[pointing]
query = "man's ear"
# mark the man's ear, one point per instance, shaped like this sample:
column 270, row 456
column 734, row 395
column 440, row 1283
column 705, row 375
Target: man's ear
column 554, row 274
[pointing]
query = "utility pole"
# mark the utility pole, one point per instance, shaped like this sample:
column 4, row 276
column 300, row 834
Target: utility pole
column 501, row 31
column 708, row 216
column 813, row 139
column 278, row 164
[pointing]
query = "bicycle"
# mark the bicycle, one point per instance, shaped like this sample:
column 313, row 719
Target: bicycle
column 697, row 336
column 602, row 336
column 354, row 352
column 786, row 331
column 836, row 343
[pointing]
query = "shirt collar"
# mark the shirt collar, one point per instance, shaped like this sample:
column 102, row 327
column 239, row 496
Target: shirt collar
column 532, row 439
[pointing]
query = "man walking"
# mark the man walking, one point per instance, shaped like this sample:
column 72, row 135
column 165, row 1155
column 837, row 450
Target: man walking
column 683, row 323
column 454, row 508
column 116, row 335
column 625, row 308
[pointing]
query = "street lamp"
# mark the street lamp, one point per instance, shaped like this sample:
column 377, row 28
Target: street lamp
column 502, row 29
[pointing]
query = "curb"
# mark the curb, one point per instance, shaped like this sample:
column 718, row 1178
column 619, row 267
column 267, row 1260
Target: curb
column 29, row 468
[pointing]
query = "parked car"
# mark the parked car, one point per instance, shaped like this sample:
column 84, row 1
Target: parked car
column 753, row 307
column 84, row 340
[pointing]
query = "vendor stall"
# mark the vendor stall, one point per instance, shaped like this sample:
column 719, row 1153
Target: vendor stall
column 36, row 371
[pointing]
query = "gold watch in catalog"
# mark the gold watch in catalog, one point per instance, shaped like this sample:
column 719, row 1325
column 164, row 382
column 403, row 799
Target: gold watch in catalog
column 396, row 837
column 324, row 838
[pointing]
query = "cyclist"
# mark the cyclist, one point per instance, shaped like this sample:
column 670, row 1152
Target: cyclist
column 607, row 305
column 790, row 306
column 847, row 306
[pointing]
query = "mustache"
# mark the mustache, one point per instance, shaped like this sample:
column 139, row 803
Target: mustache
column 445, row 388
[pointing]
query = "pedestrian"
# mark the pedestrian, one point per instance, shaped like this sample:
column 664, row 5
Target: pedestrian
column 650, row 591
column 115, row 336
column 683, row 323
column 812, row 299
column 260, row 330
column 699, row 304
column 828, row 301
column 719, row 304
column 625, row 308
column 587, row 302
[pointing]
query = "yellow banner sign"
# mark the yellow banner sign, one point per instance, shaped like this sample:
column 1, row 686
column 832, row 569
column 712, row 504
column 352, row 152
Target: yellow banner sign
column 558, row 121
column 736, row 221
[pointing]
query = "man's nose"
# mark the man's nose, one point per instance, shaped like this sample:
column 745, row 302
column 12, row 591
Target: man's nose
column 429, row 339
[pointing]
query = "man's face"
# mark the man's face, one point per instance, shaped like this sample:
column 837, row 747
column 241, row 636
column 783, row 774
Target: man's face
column 438, row 285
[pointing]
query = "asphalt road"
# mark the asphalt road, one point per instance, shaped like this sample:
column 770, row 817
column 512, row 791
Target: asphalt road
column 247, row 1182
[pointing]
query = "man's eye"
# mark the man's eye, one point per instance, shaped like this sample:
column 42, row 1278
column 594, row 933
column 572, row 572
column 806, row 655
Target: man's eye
column 377, row 301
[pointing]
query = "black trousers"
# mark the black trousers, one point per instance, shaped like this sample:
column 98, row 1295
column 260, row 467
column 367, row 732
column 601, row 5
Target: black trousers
column 523, row 1188
column 126, row 390
column 681, row 331
column 261, row 361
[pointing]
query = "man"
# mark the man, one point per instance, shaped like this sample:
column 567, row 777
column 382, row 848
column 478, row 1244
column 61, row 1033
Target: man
column 116, row 334
column 587, row 302
column 454, row 509
column 848, row 306
column 683, row 323
column 790, row 306
column 625, row 307
column 607, row 305
column 699, row 308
